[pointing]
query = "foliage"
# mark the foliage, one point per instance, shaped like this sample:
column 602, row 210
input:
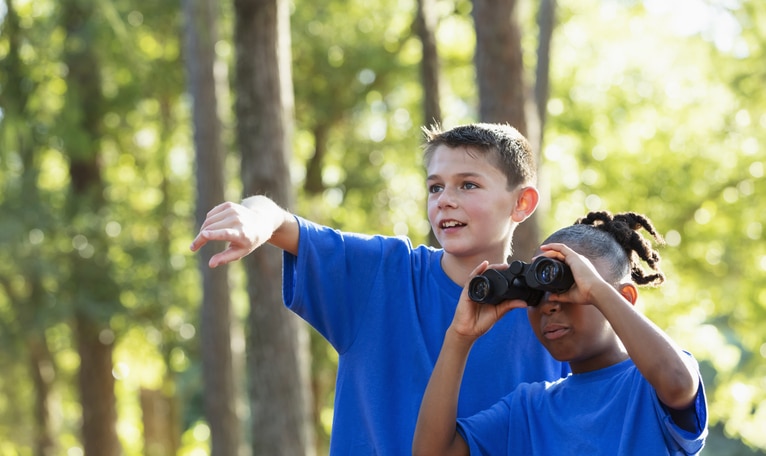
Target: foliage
column 675, row 133
column 147, row 222
column 653, row 110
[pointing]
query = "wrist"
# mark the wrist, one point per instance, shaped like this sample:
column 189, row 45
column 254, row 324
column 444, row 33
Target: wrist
column 456, row 340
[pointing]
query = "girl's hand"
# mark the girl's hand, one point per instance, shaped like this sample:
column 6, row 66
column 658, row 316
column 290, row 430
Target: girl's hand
column 585, row 274
column 472, row 320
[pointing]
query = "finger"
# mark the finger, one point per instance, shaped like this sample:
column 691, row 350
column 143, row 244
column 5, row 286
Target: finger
column 506, row 306
column 480, row 268
column 220, row 213
column 198, row 242
column 552, row 251
column 208, row 235
column 227, row 256
column 214, row 217
column 476, row 271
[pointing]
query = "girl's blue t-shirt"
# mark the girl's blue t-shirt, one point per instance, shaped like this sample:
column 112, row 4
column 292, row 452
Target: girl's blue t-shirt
column 608, row 412
column 385, row 306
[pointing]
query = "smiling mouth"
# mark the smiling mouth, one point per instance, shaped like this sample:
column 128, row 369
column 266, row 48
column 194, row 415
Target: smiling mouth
column 451, row 224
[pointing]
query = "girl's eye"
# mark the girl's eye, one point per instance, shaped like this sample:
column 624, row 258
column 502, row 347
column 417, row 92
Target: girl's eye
column 435, row 188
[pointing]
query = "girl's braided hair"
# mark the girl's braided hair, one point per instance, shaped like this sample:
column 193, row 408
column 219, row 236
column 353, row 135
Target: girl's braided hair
column 616, row 239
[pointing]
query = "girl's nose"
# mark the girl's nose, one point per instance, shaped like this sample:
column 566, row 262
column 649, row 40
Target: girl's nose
column 549, row 304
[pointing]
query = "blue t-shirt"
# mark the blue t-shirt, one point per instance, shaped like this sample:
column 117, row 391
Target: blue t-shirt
column 611, row 412
column 385, row 306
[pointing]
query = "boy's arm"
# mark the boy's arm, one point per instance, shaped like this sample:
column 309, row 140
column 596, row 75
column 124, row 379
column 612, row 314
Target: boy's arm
column 436, row 429
column 246, row 227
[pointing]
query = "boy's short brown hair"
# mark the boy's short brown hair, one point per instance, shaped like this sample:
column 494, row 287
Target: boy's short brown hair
column 507, row 149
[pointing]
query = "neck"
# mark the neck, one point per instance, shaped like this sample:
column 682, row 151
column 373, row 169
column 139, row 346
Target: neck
column 592, row 364
column 459, row 268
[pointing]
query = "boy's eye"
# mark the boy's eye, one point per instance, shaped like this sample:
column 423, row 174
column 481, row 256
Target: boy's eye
column 436, row 188
column 470, row 185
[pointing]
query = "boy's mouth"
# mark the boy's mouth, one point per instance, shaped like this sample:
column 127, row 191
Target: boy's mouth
column 450, row 224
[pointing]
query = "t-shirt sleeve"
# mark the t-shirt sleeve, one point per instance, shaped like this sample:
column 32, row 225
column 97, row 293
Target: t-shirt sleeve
column 687, row 428
column 488, row 431
column 330, row 281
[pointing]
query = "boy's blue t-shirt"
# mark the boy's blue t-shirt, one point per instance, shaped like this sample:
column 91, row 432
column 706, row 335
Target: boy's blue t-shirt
column 610, row 412
column 385, row 306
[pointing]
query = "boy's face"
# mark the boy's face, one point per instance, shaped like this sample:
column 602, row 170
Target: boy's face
column 576, row 332
column 469, row 204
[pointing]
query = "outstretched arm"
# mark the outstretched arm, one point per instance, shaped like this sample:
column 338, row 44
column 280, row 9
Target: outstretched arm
column 435, row 432
column 671, row 372
column 246, row 227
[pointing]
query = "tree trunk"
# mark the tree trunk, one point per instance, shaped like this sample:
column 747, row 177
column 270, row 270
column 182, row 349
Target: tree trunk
column 219, row 397
column 41, row 363
column 99, row 414
column 546, row 21
column 429, row 72
column 499, row 63
column 43, row 374
column 277, row 343
column 429, row 67
column 502, row 96
column 313, row 184
column 92, row 289
column 159, row 414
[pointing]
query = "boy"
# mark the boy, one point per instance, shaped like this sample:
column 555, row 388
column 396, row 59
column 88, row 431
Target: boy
column 384, row 305
column 632, row 390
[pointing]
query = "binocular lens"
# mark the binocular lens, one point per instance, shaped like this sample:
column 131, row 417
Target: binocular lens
column 548, row 272
column 479, row 288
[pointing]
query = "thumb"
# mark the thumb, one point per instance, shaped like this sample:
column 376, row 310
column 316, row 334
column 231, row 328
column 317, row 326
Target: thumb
column 506, row 306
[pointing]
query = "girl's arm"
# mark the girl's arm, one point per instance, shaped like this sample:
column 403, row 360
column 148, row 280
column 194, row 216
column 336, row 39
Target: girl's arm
column 671, row 372
column 436, row 431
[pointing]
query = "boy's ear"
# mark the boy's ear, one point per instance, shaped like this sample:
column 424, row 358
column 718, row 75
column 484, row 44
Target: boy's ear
column 526, row 203
column 630, row 292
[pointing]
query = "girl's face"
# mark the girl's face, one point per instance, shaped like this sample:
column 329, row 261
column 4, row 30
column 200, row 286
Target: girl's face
column 576, row 332
column 469, row 204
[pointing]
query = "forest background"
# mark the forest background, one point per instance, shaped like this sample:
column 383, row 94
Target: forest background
column 118, row 340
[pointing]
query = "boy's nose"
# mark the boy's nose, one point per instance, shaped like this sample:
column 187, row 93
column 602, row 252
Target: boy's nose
column 447, row 198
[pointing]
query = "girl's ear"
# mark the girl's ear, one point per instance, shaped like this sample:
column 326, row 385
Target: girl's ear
column 526, row 203
column 630, row 292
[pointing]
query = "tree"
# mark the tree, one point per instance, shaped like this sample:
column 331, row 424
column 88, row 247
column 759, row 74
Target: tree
column 277, row 341
column 546, row 22
column 425, row 23
column 28, row 302
column 91, row 288
column 502, row 93
column 219, row 392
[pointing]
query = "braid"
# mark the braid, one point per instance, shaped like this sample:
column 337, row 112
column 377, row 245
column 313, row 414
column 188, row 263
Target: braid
column 623, row 227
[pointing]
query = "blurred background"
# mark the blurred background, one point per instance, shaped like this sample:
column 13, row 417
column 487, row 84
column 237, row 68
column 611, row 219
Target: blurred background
column 122, row 123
